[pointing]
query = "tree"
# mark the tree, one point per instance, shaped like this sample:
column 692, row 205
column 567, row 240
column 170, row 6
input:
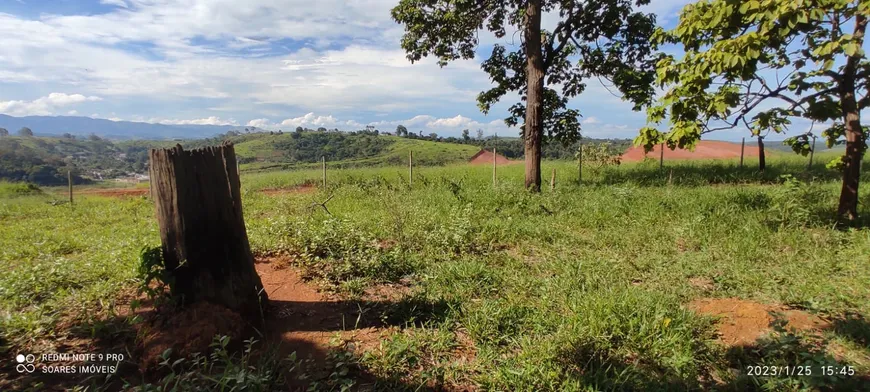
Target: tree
column 762, row 63
column 299, row 129
column 597, row 156
column 94, row 138
column 25, row 131
column 433, row 136
column 3, row 132
column 593, row 38
column 321, row 129
column 465, row 136
column 68, row 136
column 401, row 130
column 45, row 175
column 479, row 134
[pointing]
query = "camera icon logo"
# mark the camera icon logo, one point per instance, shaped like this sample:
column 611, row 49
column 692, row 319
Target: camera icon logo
column 25, row 363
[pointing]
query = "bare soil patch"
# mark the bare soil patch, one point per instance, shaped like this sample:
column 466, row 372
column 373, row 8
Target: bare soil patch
column 705, row 149
column 189, row 331
column 484, row 157
column 113, row 192
column 309, row 322
column 742, row 323
column 702, row 283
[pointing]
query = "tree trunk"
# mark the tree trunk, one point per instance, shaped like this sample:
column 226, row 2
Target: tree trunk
column 848, row 206
column 205, row 244
column 855, row 138
column 761, row 163
column 534, row 125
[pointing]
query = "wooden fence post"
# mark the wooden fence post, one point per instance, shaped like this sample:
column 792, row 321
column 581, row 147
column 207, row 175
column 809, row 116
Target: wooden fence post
column 742, row 148
column 323, row 166
column 580, row 165
column 494, row 181
column 69, row 182
column 761, row 161
column 662, row 157
column 411, row 168
column 553, row 180
column 204, row 242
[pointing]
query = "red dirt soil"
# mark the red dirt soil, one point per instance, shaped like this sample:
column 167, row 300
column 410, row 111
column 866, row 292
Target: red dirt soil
column 189, row 331
column 705, row 149
column 300, row 319
column 307, row 321
column 742, row 323
column 113, row 192
column 485, row 157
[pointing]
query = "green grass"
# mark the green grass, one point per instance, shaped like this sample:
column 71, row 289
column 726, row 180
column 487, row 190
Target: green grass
column 581, row 288
column 17, row 189
column 61, row 260
column 426, row 153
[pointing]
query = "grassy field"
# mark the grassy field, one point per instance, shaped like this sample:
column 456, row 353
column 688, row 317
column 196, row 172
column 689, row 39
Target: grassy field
column 425, row 153
column 580, row 288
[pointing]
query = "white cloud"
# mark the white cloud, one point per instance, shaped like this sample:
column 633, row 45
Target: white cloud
column 446, row 126
column 452, row 122
column 211, row 120
column 309, row 120
column 261, row 123
column 77, row 51
column 117, row 3
column 256, row 59
column 43, row 106
column 591, row 120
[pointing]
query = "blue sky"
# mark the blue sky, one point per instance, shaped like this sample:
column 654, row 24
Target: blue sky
column 273, row 64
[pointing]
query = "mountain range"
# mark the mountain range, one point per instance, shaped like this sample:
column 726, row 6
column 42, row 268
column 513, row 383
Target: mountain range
column 120, row 130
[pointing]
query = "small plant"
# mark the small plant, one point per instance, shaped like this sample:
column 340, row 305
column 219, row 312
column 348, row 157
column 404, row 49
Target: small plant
column 337, row 252
column 16, row 189
column 154, row 280
column 220, row 371
column 835, row 136
column 596, row 157
column 789, row 205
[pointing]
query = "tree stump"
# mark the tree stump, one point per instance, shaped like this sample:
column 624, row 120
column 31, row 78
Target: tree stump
column 205, row 244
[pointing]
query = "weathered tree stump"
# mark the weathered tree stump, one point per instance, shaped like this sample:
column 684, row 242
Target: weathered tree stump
column 205, row 244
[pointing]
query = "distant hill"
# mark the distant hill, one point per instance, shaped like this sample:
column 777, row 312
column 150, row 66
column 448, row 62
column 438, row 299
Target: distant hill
column 293, row 150
column 118, row 130
column 46, row 160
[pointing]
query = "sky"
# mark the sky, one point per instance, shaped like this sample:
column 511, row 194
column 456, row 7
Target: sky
column 271, row 64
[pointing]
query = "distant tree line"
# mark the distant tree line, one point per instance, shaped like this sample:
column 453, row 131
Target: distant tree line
column 46, row 160
column 512, row 147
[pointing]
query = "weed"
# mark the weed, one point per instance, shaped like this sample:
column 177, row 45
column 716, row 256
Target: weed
column 220, row 370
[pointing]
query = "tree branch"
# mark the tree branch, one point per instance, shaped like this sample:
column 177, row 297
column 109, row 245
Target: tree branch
column 551, row 52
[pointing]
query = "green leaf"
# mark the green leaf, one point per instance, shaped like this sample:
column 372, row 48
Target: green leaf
column 850, row 48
